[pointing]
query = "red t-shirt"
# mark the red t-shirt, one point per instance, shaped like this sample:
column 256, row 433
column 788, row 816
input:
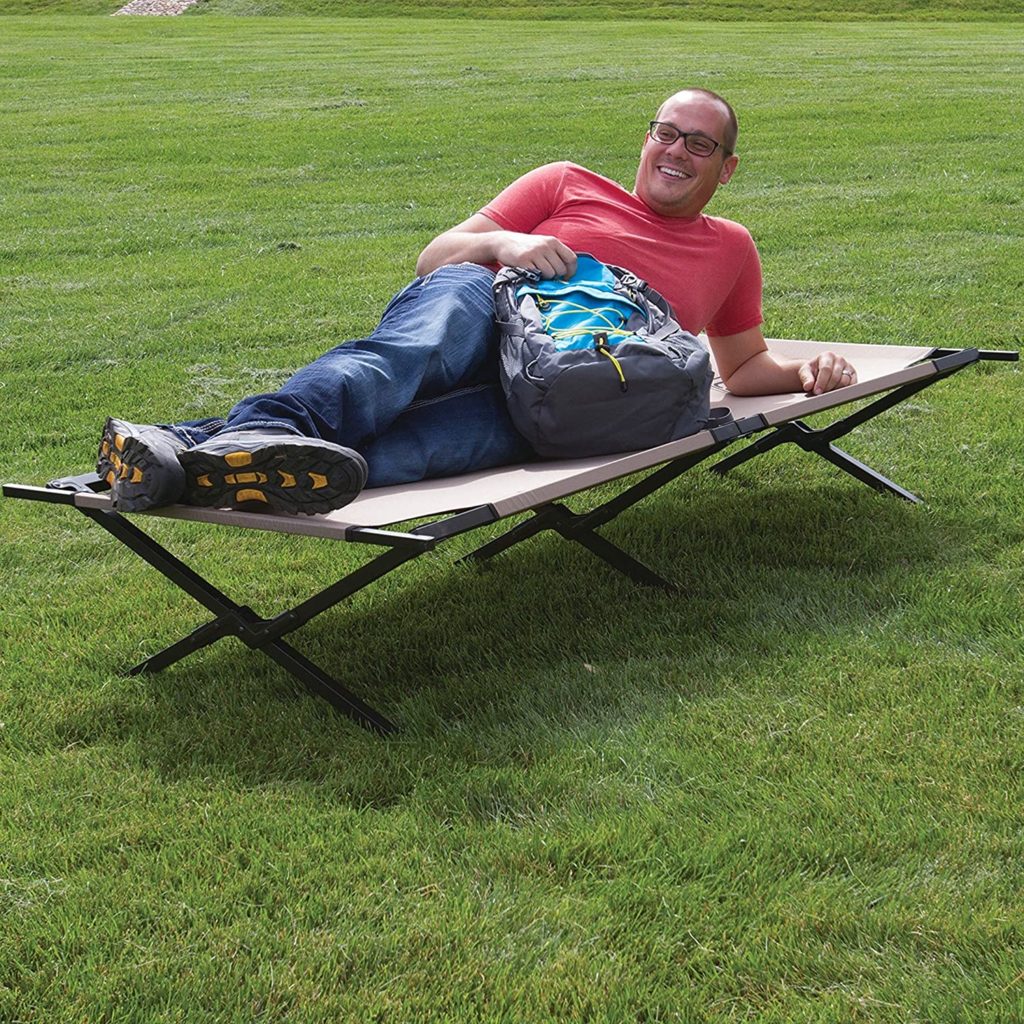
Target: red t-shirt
column 707, row 267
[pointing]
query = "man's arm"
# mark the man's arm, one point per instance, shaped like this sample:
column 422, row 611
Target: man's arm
column 748, row 368
column 478, row 239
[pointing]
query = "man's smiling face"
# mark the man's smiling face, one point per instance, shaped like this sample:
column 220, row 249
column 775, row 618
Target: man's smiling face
column 673, row 181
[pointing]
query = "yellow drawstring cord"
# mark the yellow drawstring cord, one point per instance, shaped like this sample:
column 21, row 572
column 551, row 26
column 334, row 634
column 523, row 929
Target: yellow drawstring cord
column 602, row 313
column 600, row 337
column 601, row 344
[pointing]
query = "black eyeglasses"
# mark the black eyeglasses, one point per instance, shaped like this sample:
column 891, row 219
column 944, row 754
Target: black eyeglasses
column 699, row 145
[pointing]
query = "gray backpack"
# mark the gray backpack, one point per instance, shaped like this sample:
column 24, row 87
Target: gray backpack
column 596, row 364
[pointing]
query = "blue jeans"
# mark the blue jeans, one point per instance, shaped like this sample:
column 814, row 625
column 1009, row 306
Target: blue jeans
column 418, row 398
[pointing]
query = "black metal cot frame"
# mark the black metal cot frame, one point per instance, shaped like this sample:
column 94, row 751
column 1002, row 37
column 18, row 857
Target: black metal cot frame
column 267, row 634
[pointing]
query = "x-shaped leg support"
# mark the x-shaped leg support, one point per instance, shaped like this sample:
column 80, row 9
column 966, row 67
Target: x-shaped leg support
column 821, row 440
column 266, row 635
column 580, row 527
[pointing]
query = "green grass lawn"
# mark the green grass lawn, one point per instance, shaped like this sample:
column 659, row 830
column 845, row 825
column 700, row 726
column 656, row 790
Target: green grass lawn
column 725, row 10
column 791, row 793
column 76, row 7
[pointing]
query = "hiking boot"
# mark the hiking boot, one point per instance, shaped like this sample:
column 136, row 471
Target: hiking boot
column 140, row 462
column 272, row 471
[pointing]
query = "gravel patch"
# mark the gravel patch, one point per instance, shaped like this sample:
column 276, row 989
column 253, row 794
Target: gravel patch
column 162, row 7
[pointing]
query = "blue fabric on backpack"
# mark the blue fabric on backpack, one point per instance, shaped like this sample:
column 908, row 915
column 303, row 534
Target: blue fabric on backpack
column 597, row 364
column 574, row 309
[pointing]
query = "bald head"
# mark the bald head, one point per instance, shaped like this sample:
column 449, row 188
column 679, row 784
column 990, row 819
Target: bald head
column 731, row 126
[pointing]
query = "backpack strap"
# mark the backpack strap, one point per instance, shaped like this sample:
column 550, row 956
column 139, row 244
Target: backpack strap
column 665, row 331
column 511, row 328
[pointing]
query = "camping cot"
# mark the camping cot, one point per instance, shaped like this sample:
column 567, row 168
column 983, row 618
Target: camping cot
column 444, row 508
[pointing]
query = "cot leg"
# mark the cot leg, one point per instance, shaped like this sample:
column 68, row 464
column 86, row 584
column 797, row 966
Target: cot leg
column 945, row 363
column 580, row 527
column 199, row 638
column 859, row 471
column 539, row 521
column 573, row 527
column 781, row 435
column 817, row 441
column 258, row 633
column 618, row 559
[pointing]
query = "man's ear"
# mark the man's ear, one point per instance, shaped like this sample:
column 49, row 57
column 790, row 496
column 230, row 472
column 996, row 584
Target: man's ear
column 729, row 165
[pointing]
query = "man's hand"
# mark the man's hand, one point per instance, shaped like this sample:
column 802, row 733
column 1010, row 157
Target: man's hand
column 748, row 368
column 826, row 372
column 543, row 253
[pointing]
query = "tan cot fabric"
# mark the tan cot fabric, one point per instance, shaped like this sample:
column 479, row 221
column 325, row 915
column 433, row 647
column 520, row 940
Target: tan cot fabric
column 512, row 489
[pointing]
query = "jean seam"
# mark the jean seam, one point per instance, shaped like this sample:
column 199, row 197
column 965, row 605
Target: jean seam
column 468, row 389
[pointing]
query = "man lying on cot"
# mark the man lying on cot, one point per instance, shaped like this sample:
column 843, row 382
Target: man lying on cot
column 420, row 397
